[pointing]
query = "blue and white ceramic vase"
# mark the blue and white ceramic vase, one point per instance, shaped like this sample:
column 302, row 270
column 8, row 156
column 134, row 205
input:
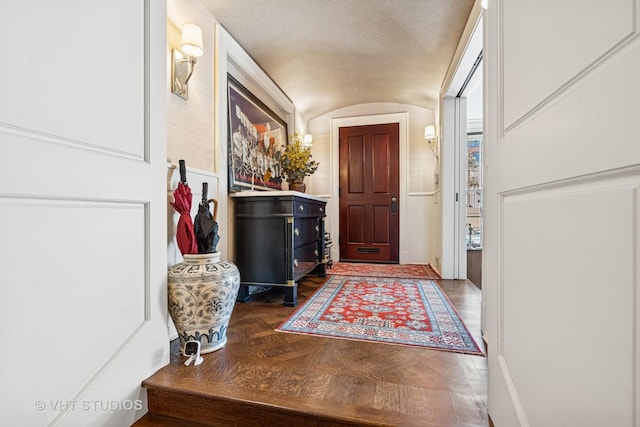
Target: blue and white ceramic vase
column 202, row 294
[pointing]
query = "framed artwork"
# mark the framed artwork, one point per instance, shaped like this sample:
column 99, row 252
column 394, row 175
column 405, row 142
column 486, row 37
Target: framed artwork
column 256, row 134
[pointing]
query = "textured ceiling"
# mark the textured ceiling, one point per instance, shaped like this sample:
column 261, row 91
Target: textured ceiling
column 329, row 54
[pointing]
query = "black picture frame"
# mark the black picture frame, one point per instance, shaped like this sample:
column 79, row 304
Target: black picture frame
column 255, row 137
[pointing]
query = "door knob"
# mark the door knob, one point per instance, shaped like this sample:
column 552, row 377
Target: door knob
column 394, row 203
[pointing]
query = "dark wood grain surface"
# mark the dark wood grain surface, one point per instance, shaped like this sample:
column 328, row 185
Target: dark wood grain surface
column 268, row 378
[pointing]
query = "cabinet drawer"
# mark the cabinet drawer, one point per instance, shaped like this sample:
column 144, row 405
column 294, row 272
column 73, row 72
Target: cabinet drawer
column 305, row 230
column 308, row 208
column 305, row 258
column 256, row 207
column 260, row 207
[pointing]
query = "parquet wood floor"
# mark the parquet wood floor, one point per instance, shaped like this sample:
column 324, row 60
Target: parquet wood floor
column 268, row 378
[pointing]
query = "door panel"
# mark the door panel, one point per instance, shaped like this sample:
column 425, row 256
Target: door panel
column 381, row 220
column 82, row 209
column 356, row 167
column 381, row 160
column 561, row 257
column 356, row 218
column 369, row 181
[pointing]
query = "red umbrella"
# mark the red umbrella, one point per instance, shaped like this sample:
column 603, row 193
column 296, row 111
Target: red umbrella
column 182, row 204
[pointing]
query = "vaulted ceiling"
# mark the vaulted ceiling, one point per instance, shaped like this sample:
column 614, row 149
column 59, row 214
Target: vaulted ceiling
column 329, row 54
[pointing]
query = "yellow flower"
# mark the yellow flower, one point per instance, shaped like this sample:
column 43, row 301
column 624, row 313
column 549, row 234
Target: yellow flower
column 295, row 160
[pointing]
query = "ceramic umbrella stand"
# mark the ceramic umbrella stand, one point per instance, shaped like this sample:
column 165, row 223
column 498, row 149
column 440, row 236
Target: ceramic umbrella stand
column 202, row 293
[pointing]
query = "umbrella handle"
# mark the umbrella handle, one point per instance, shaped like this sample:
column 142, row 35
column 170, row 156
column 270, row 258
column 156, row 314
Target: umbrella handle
column 205, row 190
column 183, row 171
column 215, row 208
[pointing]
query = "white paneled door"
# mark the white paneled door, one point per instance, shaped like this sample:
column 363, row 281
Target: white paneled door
column 82, row 209
column 561, row 252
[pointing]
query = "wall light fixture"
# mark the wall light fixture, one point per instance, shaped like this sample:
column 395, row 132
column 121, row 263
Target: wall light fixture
column 307, row 140
column 183, row 61
column 430, row 133
column 432, row 140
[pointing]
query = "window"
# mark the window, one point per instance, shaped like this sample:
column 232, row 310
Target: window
column 474, row 190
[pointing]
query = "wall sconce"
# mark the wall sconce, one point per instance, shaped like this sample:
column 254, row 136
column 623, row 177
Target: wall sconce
column 430, row 133
column 182, row 63
column 430, row 136
column 307, row 140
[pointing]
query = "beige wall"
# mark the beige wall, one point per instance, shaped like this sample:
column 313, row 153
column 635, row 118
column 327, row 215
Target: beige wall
column 190, row 123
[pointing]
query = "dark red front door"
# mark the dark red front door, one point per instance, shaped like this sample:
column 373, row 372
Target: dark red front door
column 369, row 191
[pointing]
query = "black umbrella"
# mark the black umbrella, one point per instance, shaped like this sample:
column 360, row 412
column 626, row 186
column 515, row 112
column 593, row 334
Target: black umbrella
column 205, row 225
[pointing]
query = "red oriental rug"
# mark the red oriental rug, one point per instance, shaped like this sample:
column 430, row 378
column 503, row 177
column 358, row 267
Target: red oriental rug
column 412, row 271
column 411, row 312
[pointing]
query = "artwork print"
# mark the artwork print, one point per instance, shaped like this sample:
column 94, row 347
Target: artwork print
column 256, row 136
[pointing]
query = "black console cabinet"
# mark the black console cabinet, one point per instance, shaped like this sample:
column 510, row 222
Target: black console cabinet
column 279, row 237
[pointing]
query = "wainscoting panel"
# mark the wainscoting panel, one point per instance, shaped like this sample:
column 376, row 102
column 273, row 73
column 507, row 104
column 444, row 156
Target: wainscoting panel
column 422, row 213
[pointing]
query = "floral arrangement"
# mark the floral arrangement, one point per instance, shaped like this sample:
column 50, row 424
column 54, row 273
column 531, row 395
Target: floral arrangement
column 295, row 160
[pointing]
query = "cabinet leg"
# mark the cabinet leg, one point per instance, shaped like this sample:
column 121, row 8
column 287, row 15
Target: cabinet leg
column 243, row 294
column 321, row 270
column 291, row 295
